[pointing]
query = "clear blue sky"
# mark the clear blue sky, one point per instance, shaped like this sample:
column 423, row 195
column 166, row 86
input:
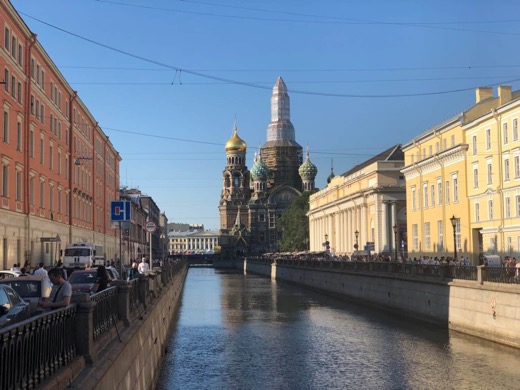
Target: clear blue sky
column 165, row 78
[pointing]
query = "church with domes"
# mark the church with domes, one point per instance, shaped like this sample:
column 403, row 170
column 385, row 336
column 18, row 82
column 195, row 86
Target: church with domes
column 252, row 201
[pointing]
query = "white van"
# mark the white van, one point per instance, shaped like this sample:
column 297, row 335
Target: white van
column 492, row 261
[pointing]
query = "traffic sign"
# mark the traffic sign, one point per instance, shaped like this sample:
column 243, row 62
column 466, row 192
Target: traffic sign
column 120, row 211
column 150, row 226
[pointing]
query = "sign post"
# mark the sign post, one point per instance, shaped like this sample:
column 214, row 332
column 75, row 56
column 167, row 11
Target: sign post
column 119, row 212
column 150, row 227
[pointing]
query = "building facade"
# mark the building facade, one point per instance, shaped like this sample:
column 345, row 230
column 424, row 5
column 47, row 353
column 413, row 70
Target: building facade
column 59, row 171
column 362, row 209
column 192, row 242
column 252, row 201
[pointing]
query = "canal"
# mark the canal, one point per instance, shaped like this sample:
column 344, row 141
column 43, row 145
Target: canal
column 237, row 331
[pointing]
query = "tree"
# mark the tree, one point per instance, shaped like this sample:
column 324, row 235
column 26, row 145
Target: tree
column 295, row 225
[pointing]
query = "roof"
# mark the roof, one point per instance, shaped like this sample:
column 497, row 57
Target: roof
column 394, row 153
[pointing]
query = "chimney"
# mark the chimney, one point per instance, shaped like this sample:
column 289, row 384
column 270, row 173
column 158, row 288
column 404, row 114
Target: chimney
column 484, row 93
column 505, row 95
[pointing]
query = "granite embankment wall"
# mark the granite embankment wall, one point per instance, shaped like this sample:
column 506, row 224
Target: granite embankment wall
column 484, row 309
column 135, row 361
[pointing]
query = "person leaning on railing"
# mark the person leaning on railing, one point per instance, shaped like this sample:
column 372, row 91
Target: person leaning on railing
column 61, row 291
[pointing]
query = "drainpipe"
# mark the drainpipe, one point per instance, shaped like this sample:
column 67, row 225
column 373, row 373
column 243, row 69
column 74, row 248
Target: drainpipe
column 498, row 119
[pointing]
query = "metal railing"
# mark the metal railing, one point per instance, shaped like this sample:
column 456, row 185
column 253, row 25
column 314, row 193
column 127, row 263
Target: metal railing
column 105, row 313
column 32, row 351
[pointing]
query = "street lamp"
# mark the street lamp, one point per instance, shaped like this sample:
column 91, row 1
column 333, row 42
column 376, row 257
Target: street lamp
column 395, row 244
column 454, row 224
column 356, row 246
column 326, row 243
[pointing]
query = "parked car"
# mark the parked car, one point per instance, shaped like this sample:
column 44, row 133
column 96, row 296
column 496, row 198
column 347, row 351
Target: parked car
column 114, row 274
column 8, row 274
column 31, row 288
column 13, row 308
column 82, row 281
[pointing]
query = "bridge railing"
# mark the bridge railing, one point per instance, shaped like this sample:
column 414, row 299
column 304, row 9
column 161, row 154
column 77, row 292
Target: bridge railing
column 35, row 349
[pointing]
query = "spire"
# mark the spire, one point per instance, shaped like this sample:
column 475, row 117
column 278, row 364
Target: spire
column 332, row 175
column 280, row 128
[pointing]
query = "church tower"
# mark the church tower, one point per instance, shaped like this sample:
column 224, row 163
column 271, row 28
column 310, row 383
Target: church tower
column 281, row 153
column 235, row 182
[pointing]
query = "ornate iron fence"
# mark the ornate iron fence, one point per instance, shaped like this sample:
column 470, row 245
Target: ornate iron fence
column 105, row 311
column 33, row 350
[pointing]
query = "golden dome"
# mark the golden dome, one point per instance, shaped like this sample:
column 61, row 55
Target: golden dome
column 235, row 143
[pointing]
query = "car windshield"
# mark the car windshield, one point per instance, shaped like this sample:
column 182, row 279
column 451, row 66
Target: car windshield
column 82, row 277
column 27, row 288
column 77, row 252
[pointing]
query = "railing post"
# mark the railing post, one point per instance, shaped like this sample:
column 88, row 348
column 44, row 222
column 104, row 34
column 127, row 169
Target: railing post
column 142, row 289
column 481, row 274
column 123, row 300
column 85, row 327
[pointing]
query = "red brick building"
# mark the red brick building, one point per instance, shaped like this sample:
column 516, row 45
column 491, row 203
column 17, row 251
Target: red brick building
column 59, row 171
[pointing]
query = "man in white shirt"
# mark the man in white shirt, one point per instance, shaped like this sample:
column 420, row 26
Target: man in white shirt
column 41, row 271
column 143, row 266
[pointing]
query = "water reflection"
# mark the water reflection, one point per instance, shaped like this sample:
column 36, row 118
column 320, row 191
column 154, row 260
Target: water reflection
column 247, row 332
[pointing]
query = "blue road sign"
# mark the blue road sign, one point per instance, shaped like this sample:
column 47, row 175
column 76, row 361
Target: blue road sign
column 120, row 211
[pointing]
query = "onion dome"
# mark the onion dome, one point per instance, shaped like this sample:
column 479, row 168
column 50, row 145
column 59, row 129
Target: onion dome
column 308, row 170
column 235, row 143
column 259, row 170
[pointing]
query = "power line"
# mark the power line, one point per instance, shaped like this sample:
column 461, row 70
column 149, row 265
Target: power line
column 247, row 84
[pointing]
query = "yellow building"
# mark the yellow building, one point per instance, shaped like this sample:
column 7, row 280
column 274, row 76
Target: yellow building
column 493, row 165
column 462, row 181
column 437, row 203
column 364, row 205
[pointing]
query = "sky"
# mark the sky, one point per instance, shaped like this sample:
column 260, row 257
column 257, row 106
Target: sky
column 167, row 79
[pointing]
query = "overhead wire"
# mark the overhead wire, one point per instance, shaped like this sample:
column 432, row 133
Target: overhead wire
column 252, row 85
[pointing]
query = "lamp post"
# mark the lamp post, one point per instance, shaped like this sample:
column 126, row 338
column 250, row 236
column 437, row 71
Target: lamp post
column 356, row 246
column 454, row 224
column 326, row 243
column 396, row 241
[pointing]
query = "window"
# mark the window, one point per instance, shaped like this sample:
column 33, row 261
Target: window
column 18, row 186
column 517, row 167
column 432, row 187
column 515, row 129
column 31, row 144
column 440, row 238
column 7, row 38
column 444, row 144
column 51, row 153
column 488, row 139
column 427, row 241
column 457, row 233
column 5, row 181
column 6, row 80
column 6, row 127
column 505, row 135
column 506, row 169
column 508, row 207
column 19, row 94
column 42, row 196
column 439, row 192
column 414, row 205
column 51, row 198
column 490, row 209
column 20, row 55
column 31, row 190
column 67, row 167
column 452, row 141
column 455, row 189
column 415, row 237
column 425, row 192
column 430, row 150
column 517, row 199
column 447, row 191
column 19, row 137
column 489, row 173
column 474, row 143
column 475, row 177
column 42, row 151
column 477, row 212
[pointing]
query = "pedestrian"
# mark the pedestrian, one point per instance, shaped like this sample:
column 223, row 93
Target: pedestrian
column 61, row 291
column 40, row 271
column 60, row 266
column 101, row 282
column 143, row 266
column 133, row 273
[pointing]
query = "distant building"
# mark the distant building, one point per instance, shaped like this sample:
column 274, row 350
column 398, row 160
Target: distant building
column 363, row 205
column 185, row 227
column 192, row 242
column 252, row 201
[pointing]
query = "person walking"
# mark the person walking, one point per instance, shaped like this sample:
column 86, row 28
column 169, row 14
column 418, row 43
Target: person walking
column 101, row 282
column 143, row 266
column 40, row 271
column 133, row 273
column 61, row 291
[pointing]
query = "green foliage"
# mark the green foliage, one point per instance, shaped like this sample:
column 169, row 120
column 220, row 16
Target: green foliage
column 295, row 225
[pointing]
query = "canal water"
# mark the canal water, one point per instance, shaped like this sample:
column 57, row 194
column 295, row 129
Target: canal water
column 237, row 331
